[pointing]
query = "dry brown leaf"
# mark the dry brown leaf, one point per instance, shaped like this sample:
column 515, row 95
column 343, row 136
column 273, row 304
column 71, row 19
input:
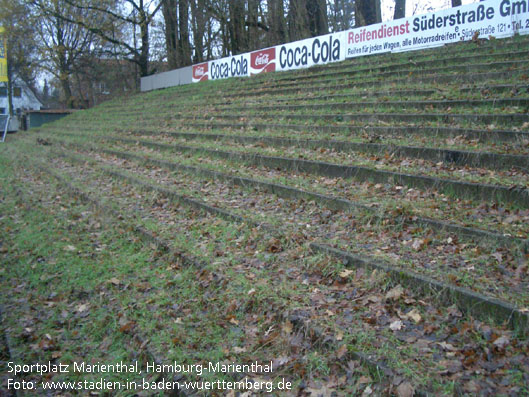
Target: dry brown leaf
column 287, row 327
column 414, row 315
column 238, row 350
column 324, row 391
column 346, row 273
column 418, row 244
column 447, row 346
column 274, row 246
column 395, row 293
column 126, row 327
column 364, row 379
column 341, row 351
column 405, row 389
column 396, row 325
column 502, row 342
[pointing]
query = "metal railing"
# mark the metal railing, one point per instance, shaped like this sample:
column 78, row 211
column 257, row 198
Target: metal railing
column 6, row 126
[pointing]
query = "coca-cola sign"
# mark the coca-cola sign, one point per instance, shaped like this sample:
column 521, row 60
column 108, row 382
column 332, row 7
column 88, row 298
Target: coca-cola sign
column 200, row 72
column 263, row 61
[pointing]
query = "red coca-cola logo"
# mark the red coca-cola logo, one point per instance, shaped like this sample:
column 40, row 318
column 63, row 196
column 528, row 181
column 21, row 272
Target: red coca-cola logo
column 263, row 61
column 200, row 72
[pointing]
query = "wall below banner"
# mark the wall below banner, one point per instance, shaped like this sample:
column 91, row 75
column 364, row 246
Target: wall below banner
column 494, row 18
column 167, row 79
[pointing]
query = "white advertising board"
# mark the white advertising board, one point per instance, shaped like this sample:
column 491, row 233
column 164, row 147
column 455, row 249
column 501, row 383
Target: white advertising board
column 496, row 18
column 234, row 66
column 309, row 52
column 488, row 18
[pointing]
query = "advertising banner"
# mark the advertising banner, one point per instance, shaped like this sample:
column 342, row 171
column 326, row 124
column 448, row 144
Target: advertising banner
column 3, row 56
column 200, row 72
column 478, row 20
column 263, row 61
column 309, row 52
column 485, row 19
column 235, row 66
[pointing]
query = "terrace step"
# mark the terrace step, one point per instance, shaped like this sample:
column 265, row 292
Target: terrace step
column 475, row 191
column 432, row 78
column 467, row 300
column 485, row 135
column 473, row 159
column 447, row 118
column 432, row 104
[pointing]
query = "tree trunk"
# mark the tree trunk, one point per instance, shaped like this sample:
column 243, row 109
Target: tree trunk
column 237, row 28
column 199, row 16
column 184, row 44
column 253, row 31
column 277, row 23
column 298, row 21
column 317, row 16
column 400, row 9
column 171, row 32
column 67, row 91
column 367, row 12
column 143, row 59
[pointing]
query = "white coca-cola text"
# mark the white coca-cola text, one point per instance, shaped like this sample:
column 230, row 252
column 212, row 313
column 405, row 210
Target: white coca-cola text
column 261, row 59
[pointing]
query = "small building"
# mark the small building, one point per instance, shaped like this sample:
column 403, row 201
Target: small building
column 36, row 118
column 23, row 98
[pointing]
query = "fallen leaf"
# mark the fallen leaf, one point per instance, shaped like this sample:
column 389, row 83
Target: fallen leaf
column 447, row 346
column 126, row 327
column 498, row 256
column 502, row 342
column 114, row 281
column 396, row 325
column 418, row 244
column 414, row 315
column 341, row 351
column 274, row 246
column 405, row 389
column 238, row 350
column 364, row 379
column 324, row 391
column 395, row 293
column 367, row 391
column 346, row 273
column 82, row 308
column 454, row 312
column 287, row 327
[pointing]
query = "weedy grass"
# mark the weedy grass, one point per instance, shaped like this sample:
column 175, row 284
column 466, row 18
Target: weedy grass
column 417, row 239
column 436, row 206
column 380, row 161
column 155, row 294
column 84, row 284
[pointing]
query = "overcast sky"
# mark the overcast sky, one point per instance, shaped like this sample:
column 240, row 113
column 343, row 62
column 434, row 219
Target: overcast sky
column 415, row 7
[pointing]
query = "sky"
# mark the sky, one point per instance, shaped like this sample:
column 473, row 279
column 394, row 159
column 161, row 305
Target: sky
column 416, row 7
